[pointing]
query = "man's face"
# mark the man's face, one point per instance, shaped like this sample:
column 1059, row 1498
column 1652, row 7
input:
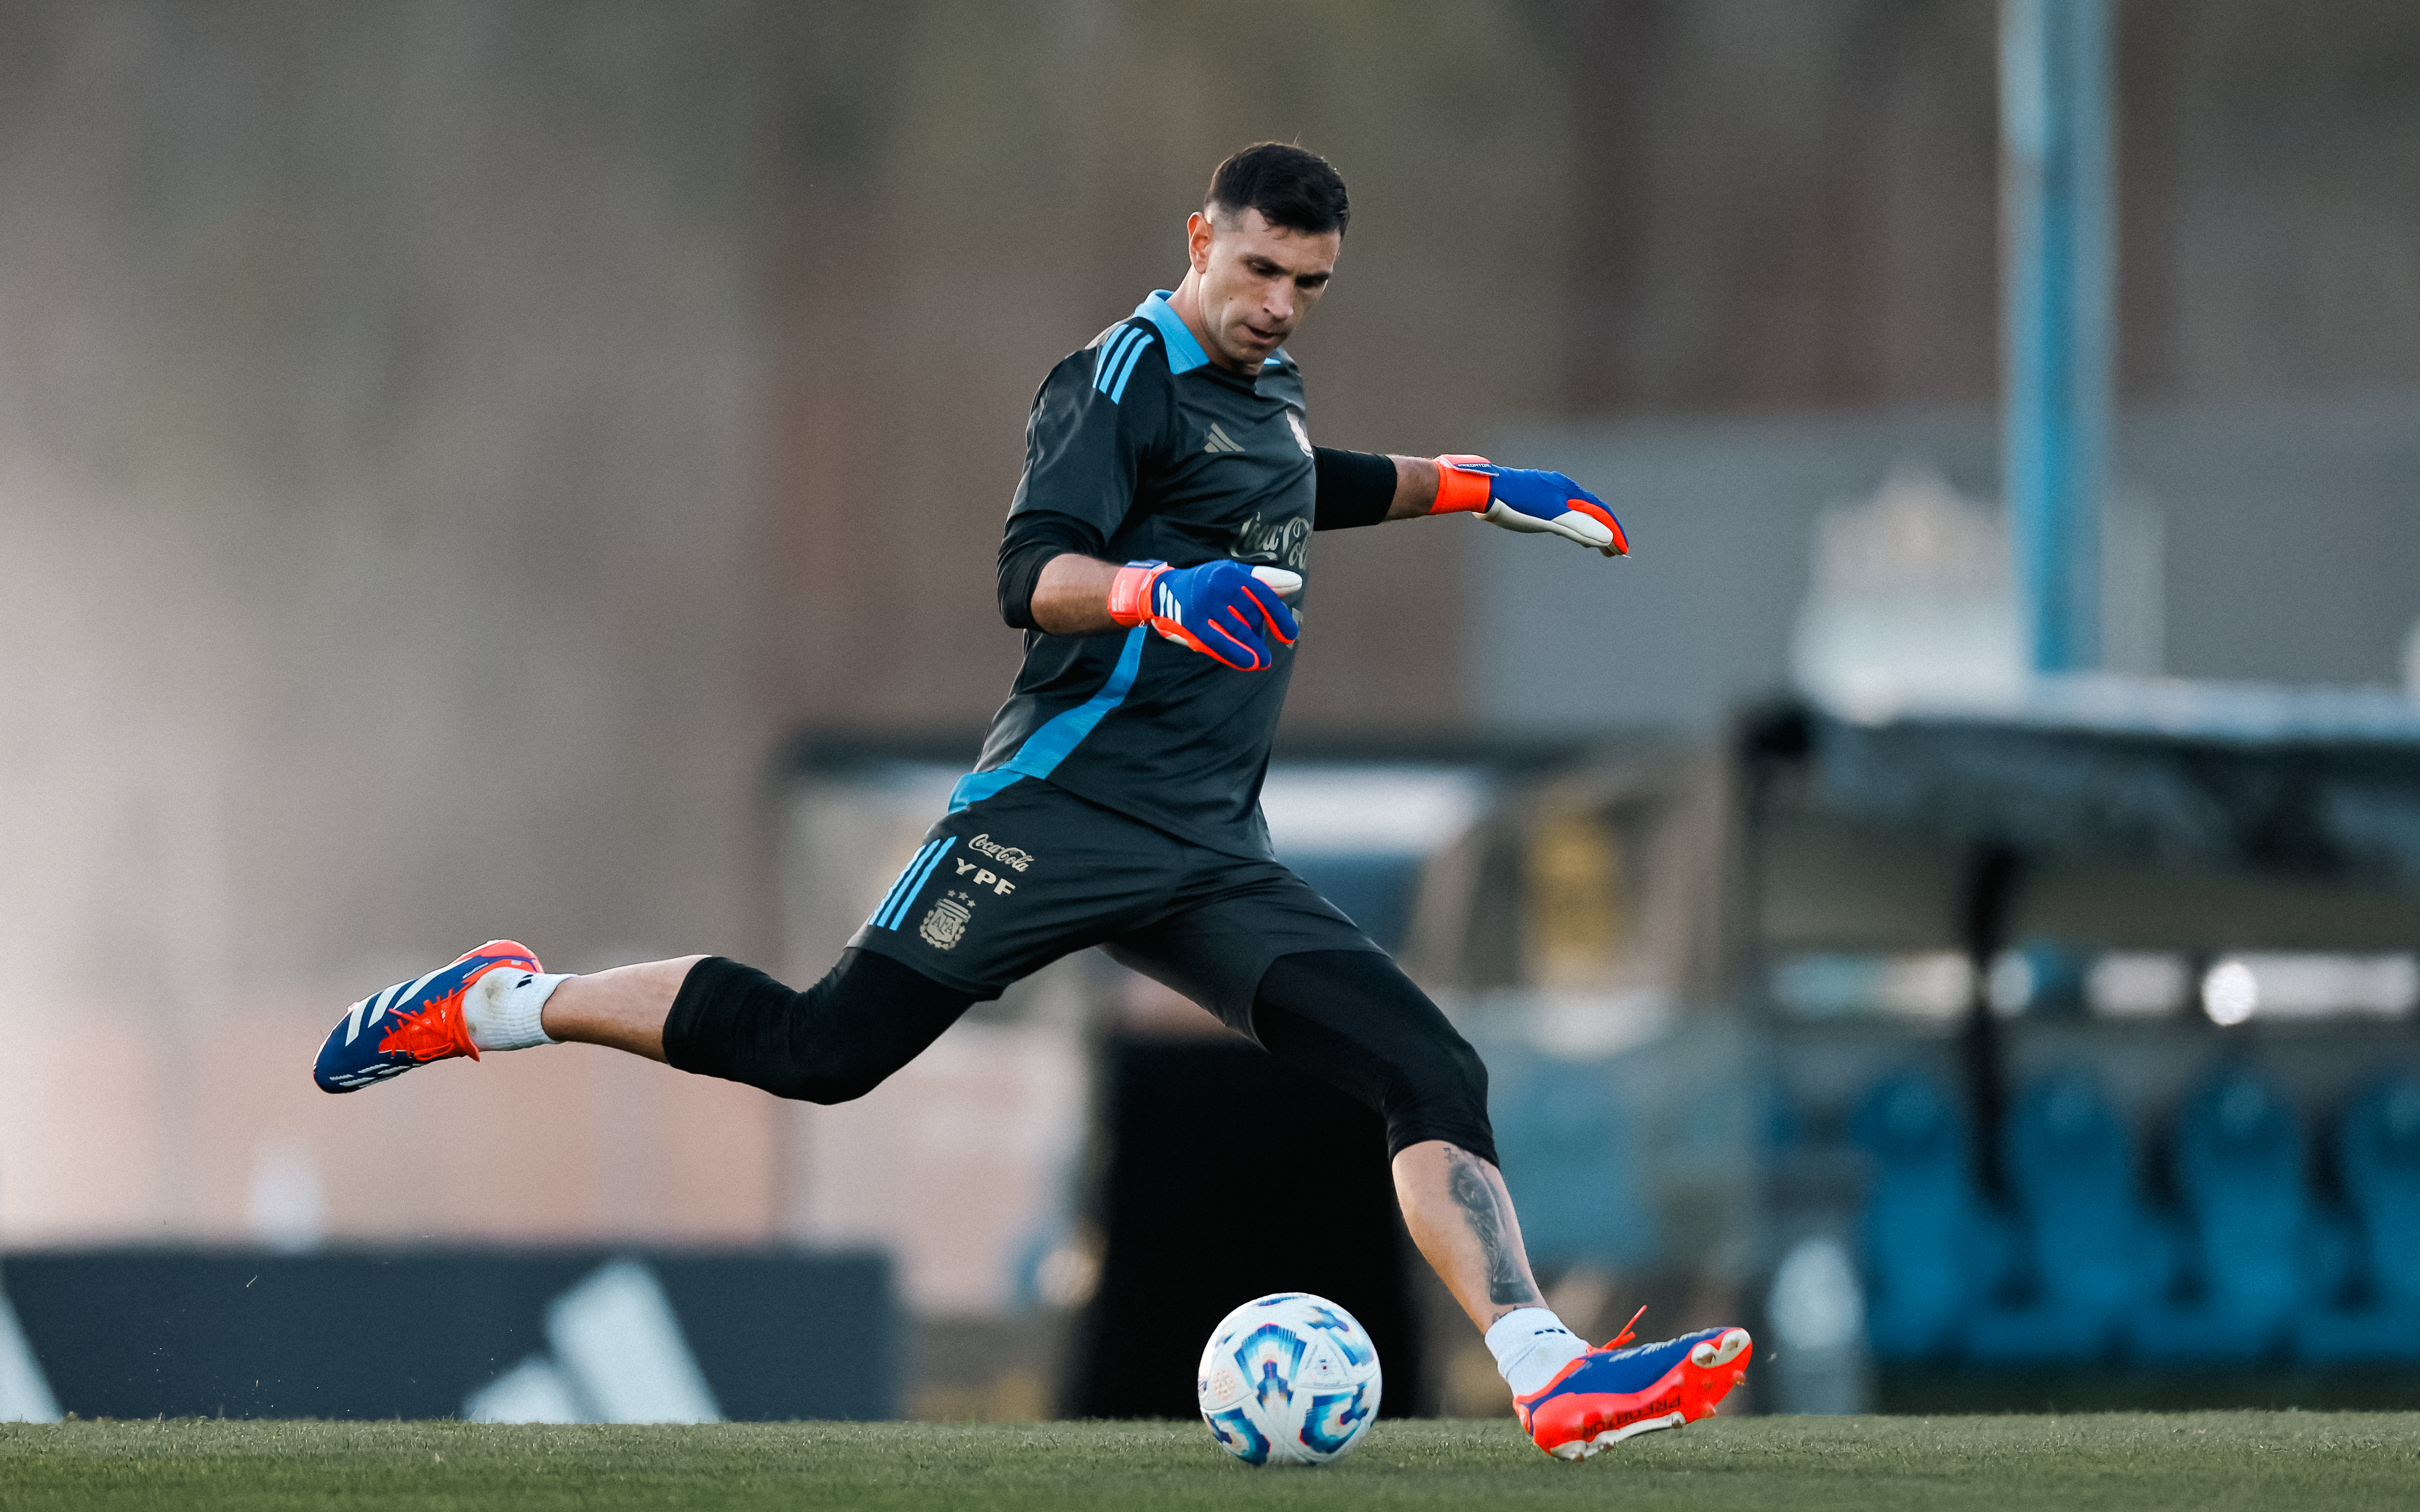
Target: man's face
column 1257, row 280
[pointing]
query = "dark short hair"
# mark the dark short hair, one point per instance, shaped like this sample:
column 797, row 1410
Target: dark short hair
column 1292, row 187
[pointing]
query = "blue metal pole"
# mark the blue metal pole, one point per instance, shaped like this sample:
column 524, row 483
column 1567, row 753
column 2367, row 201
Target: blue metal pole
column 2054, row 175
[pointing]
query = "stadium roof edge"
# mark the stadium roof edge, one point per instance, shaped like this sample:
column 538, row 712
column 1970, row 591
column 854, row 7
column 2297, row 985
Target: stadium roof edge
column 2169, row 708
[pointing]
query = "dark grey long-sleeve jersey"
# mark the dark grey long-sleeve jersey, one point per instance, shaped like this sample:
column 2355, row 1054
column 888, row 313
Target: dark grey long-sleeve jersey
column 1139, row 447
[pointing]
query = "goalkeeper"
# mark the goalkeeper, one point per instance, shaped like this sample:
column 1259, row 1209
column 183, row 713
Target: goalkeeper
column 1156, row 550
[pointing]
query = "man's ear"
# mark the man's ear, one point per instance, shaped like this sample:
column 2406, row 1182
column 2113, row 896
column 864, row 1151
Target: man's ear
column 1197, row 232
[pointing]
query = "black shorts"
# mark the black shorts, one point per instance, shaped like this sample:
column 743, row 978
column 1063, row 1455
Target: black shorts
column 1013, row 882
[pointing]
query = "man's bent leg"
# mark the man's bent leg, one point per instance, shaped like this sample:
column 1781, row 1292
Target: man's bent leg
column 1354, row 1020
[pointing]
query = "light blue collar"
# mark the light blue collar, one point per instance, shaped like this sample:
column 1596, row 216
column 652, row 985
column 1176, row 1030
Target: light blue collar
column 1184, row 354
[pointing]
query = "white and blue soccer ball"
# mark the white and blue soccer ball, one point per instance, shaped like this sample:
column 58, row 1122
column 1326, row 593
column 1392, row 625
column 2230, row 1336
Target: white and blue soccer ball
column 1289, row 1378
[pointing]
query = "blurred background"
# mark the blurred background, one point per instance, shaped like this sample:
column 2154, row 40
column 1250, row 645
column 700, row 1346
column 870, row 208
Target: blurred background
column 535, row 470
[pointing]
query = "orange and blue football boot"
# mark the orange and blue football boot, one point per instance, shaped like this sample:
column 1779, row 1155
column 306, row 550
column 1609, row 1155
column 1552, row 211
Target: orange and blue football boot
column 1607, row 1394
column 412, row 1023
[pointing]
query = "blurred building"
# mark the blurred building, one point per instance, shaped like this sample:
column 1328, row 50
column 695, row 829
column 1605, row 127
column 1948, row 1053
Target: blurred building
column 445, row 450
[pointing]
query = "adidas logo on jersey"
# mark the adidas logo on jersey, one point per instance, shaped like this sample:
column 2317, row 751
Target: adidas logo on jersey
column 1221, row 442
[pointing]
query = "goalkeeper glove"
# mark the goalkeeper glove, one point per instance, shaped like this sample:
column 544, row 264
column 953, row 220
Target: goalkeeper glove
column 1224, row 609
column 1519, row 498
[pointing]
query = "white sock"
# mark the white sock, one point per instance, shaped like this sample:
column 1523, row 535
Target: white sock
column 502, row 1008
column 1531, row 1346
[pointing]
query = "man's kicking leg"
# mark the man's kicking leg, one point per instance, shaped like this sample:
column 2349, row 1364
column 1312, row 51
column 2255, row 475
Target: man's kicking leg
column 838, row 1040
column 1353, row 1019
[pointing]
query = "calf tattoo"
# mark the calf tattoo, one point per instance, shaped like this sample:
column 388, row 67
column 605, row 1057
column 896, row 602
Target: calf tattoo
column 1476, row 1195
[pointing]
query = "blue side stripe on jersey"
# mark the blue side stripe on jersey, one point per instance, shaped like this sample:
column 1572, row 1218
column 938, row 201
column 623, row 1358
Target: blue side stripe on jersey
column 1048, row 747
column 904, row 872
column 1126, row 369
column 976, row 786
column 898, row 910
column 1105, row 370
column 1184, row 354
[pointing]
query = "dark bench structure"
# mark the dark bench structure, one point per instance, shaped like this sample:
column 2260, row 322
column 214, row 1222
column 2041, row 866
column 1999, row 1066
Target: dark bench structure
column 2110, row 994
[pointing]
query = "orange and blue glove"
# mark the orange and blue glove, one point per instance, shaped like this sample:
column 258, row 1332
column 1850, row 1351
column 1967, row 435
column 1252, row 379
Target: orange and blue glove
column 1224, row 609
column 1533, row 502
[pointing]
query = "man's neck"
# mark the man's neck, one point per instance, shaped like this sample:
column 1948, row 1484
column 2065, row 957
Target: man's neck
column 1187, row 302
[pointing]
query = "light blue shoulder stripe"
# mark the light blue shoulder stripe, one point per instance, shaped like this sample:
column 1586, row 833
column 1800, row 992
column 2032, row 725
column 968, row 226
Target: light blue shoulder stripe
column 1125, row 370
column 1048, row 747
column 1104, row 367
column 1184, row 354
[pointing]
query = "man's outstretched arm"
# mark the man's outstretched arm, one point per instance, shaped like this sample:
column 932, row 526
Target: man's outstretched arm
column 1352, row 490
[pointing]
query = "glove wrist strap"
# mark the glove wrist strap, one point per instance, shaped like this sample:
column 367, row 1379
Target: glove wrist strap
column 1460, row 490
column 1130, row 592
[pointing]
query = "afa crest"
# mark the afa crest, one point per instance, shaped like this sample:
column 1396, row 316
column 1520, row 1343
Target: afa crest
column 946, row 924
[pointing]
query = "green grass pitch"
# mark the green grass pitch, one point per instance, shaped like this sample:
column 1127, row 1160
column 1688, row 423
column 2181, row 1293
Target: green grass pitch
column 2204, row 1461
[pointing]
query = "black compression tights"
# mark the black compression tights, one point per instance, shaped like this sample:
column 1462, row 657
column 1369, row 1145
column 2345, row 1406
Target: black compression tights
column 1354, row 1021
column 1350, row 1018
column 831, row 1043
